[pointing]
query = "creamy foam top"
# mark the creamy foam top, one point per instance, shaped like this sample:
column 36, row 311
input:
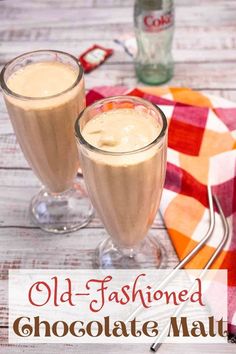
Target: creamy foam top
column 42, row 79
column 121, row 130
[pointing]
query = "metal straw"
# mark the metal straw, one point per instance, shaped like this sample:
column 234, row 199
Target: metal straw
column 190, row 255
column 156, row 345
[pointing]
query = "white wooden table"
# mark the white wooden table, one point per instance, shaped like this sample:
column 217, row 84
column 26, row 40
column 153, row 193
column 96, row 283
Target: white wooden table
column 204, row 53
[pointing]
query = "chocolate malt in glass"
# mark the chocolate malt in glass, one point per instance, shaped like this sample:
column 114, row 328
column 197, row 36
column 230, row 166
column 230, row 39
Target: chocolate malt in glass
column 122, row 143
column 44, row 93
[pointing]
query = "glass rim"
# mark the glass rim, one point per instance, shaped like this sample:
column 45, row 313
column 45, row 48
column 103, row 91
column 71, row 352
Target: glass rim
column 93, row 148
column 7, row 90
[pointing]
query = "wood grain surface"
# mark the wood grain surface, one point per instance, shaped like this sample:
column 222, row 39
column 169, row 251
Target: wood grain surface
column 204, row 52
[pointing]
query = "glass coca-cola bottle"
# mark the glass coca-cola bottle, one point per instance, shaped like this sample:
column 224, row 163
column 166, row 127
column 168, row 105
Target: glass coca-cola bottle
column 154, row 29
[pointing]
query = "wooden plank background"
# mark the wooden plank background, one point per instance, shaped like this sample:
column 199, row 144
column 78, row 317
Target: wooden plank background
column 204, row 52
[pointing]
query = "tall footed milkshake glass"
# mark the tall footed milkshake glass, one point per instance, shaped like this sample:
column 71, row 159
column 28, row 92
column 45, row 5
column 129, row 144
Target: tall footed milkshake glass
column 122, row 143
column 44, row 93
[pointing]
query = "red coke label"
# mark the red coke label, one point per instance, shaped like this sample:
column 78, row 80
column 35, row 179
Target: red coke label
column 157, row 21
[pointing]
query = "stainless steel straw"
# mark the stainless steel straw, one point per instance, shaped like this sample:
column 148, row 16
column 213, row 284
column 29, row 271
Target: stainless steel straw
column 191, row 254
column 156, row 345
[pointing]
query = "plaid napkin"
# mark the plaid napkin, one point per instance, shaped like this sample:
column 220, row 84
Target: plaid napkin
column 201, row 149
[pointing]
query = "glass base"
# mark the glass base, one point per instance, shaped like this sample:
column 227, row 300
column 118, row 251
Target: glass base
column 148, row 254
column 61, row 213
column 154, row 74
